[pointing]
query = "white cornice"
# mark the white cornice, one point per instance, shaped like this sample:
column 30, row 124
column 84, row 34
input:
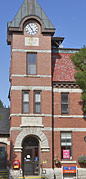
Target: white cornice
column 43, row 88
column 67, row 90
column 31, row 76
column 49, row 129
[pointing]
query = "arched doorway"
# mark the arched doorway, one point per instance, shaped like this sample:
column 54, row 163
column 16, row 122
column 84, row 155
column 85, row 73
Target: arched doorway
column 30, row 156
column 3, row 156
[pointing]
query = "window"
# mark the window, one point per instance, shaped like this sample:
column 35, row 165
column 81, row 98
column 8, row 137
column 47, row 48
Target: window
column 31, row 63
column 25, row 102
column 66, row 146
column 37, row 105
column 64, row 103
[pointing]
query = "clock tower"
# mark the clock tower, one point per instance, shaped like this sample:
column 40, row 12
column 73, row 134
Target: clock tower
column 29, row 35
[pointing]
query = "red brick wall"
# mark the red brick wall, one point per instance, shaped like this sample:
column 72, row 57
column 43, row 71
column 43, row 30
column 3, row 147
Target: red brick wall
column 18, row 66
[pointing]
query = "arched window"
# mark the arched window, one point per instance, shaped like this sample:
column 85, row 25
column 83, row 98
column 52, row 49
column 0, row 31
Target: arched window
column 3, row 156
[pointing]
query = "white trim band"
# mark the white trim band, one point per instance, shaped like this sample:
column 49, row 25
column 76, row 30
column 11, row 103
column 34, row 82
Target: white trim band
column 23, row 50
column 49, row 129
column 70, row 129
column 68, row 162
column 69, row 116
column 30, row 115
column 66, row 90
column 31, row 76
column 47, row 115
column 64, row 129
column 43, row 88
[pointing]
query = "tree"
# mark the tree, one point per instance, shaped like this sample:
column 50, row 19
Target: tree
column 1, row 104
column 79, row 60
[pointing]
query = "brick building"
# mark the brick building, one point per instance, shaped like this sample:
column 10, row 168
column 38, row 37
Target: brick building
column 46, row 117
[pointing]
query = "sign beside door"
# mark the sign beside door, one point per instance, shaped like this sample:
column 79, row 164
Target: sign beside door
column 69, row 169
column 16, row 164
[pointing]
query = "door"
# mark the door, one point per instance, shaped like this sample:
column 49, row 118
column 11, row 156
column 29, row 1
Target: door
column 30, row 157
column 3, row 156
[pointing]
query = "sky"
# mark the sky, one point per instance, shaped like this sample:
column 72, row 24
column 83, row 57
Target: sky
column 67, row 16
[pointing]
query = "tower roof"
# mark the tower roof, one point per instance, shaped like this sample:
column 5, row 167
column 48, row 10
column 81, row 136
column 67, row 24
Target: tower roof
column 30, row 8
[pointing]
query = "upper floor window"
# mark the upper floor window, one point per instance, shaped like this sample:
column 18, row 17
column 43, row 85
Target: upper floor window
column 31, row 63
column 66, row 145
column 25, row 102
column 65, row 103
column 37, row 102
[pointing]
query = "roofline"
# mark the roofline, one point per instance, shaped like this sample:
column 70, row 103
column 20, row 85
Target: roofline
column 4, row 133
column 58, row 38
column 11, row 30
column 78, row 49
column 65, row 50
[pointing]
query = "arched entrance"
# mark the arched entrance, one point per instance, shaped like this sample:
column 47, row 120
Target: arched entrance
column 3, row 156
column 30, row 156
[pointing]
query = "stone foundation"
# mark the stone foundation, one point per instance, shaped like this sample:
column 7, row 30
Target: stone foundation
column 49, row 173
column 58, row 173
column 15, row 174
column 81, row 173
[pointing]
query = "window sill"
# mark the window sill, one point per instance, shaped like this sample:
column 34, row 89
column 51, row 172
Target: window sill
column 68, row 162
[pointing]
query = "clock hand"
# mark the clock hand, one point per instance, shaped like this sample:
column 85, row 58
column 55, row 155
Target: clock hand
column 32, row 29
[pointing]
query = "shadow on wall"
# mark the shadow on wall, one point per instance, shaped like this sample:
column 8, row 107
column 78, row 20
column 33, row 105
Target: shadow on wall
column 82, row 104
column 12, row 154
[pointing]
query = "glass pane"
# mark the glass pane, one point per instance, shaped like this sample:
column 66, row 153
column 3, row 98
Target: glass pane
column 64, row 98
column 68, row 144
column 37, row 108
column 65, row 135
column 66, row 140
column 31, row 58
column 63, row 143
column 25, row 107
column 37, row 97
column 2, row 152
column 28, row 155
column 36, row 155
column 26, row 97
column 31, row 141
column 36, row 168
column 32, row 69
column 66, row 148
column 65, row 108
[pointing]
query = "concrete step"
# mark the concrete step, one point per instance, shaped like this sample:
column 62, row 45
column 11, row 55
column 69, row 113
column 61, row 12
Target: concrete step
column 33, row 177
column 4, row 174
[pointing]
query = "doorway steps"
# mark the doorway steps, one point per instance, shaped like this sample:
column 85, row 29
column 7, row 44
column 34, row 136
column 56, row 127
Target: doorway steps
column 32, row 177
column 4, row 174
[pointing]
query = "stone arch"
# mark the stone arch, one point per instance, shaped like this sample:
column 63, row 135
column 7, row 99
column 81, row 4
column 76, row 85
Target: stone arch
column 31, row 131
column 25, row 19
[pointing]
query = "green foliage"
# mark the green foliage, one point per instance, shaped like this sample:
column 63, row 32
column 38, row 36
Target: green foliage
column 1, row 104
column 79, row 60
column 82, row 159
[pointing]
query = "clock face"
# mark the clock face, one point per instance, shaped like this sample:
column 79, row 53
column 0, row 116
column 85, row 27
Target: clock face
column 31, row 29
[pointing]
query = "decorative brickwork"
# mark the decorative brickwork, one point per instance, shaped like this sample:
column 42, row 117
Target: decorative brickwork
column 63, row 68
